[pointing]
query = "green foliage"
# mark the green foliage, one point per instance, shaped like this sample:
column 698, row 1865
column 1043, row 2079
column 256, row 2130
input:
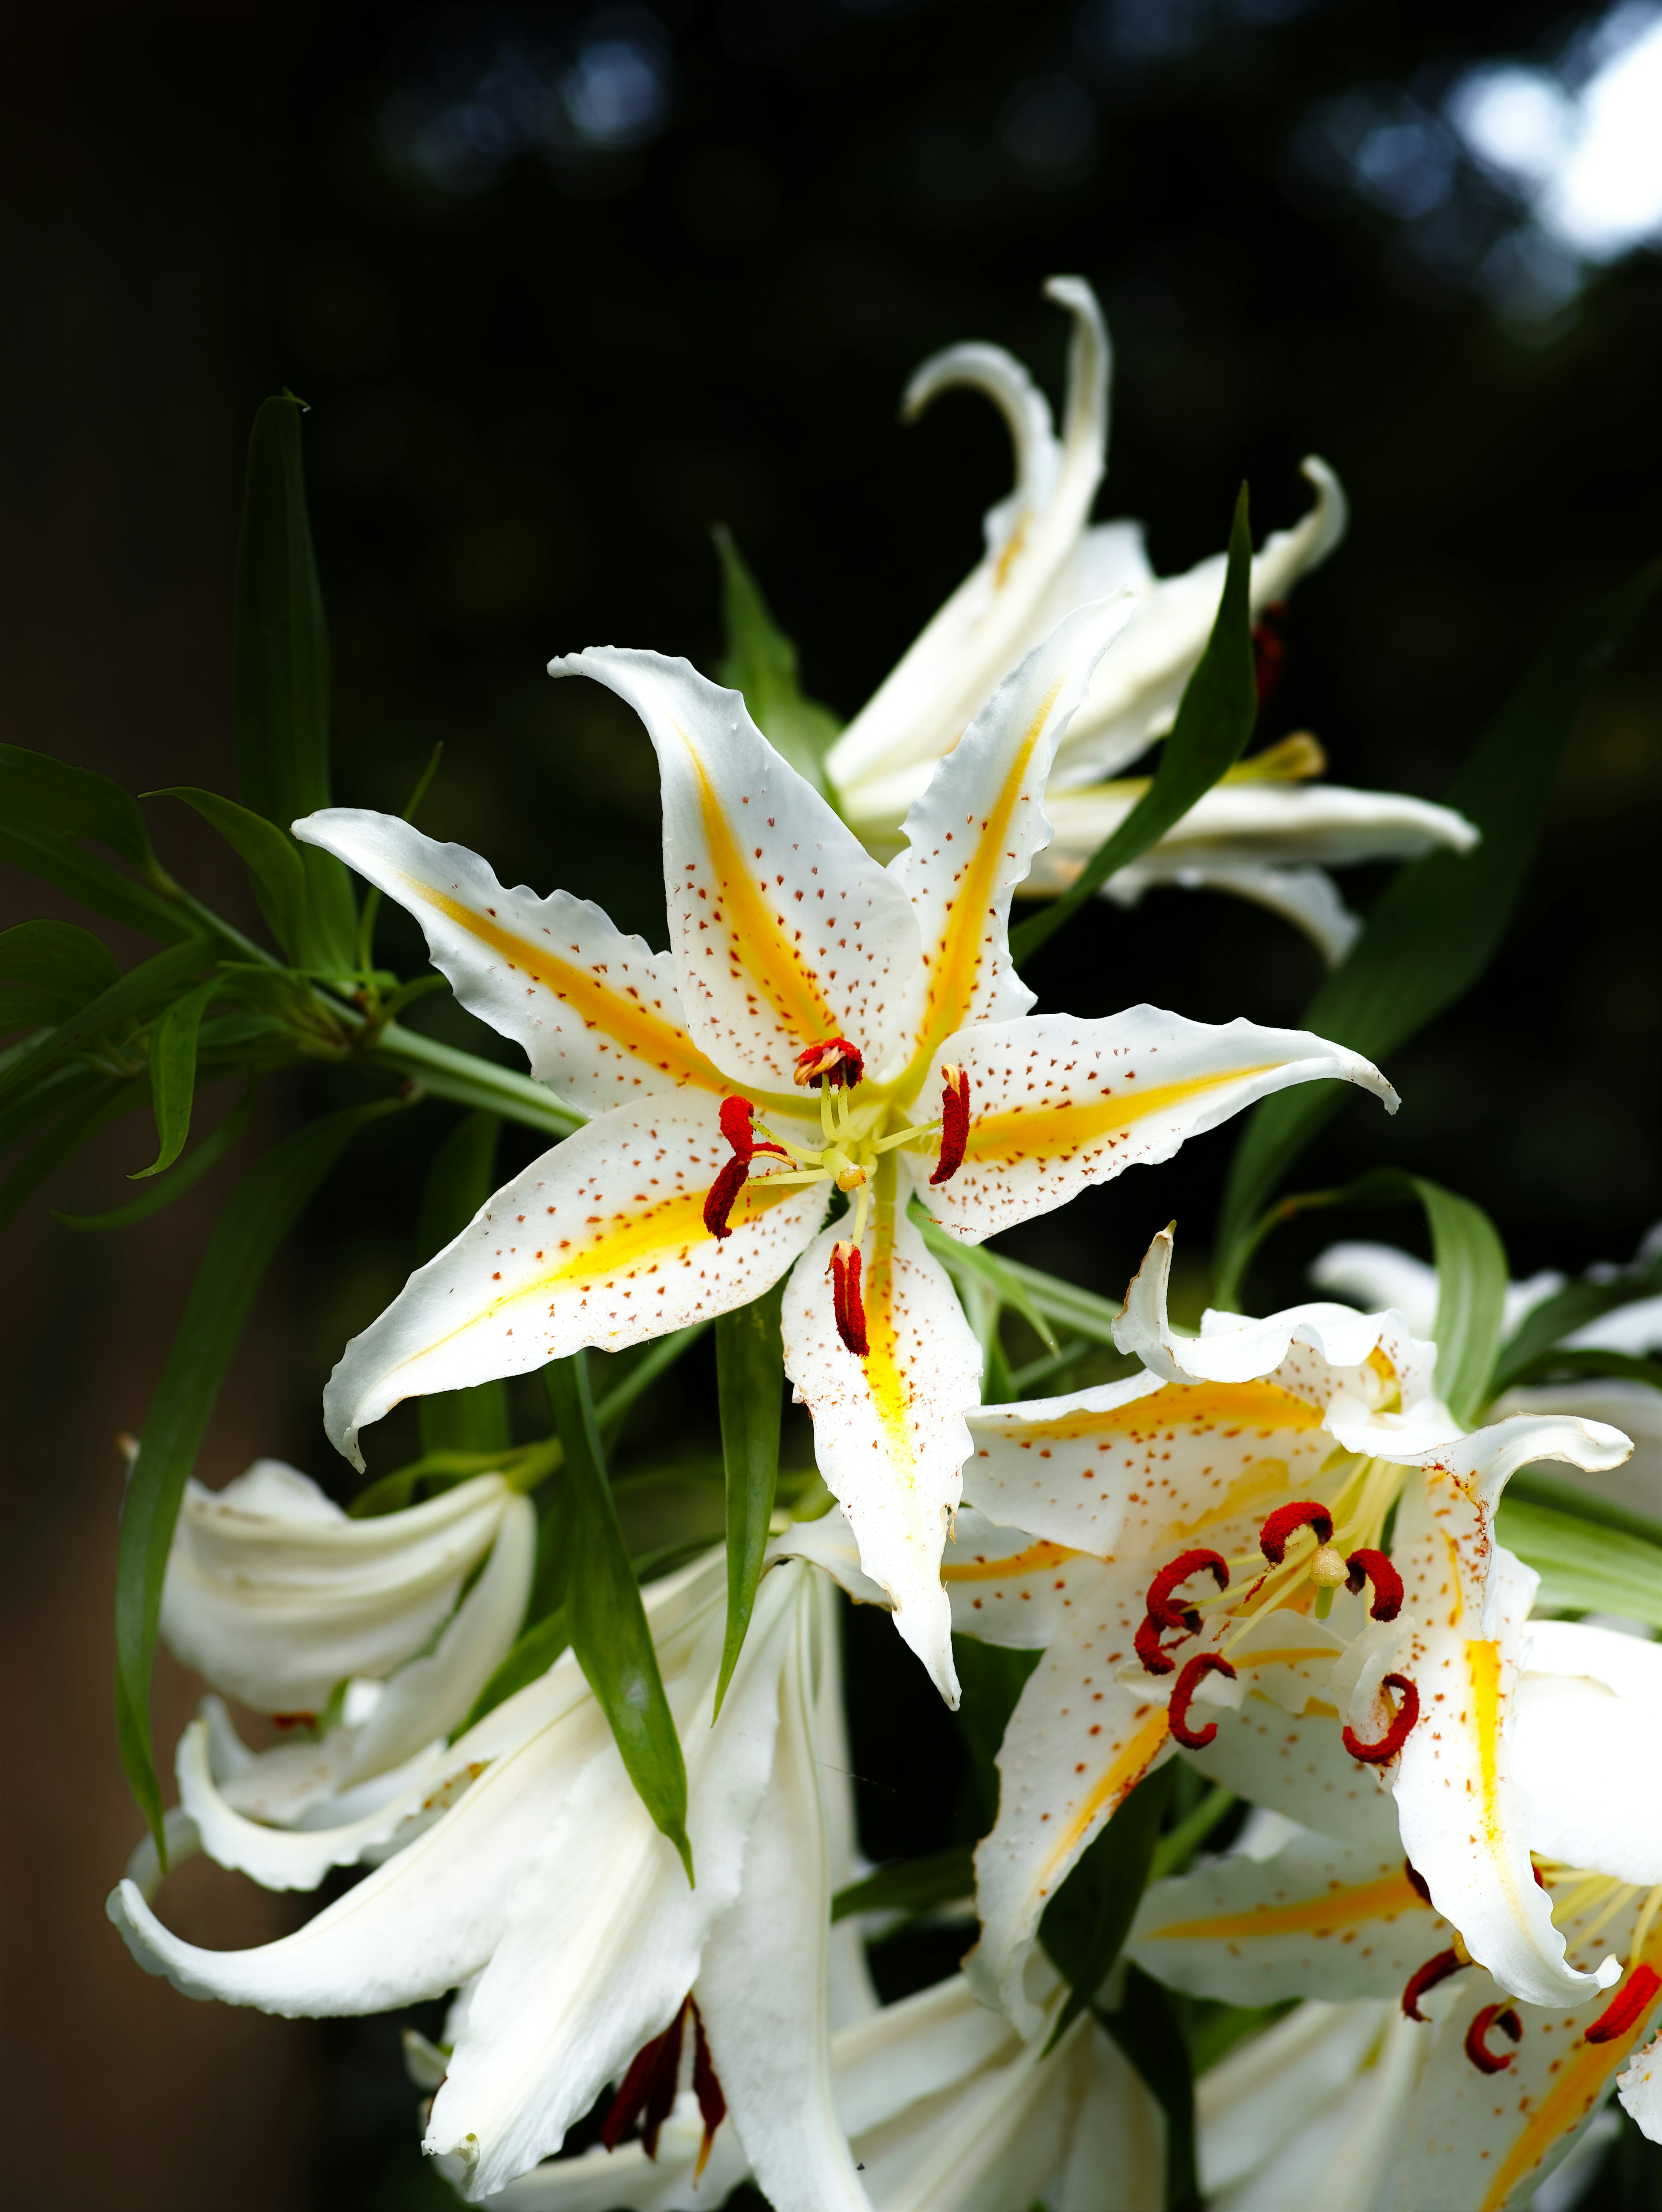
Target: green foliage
column 52, row 799
column 1583, row 1567
column 136, row 997
column 1087, row 1920
column 253, row 1223
column 1535, row 1486
column 460, row 1179
column 530, row 1659
column 59, row 860
column 750, row 1388
column 608, row 1620
column 48, row 971
column 1146, row 2028
column 212, row 1149
column 911, row 1886
column 173, row 1073
column 761, row 662
column 273, row 860
column 990, row 1678
column 1569, row 1309
column 283, row 675
column 1214, row 722
column 1438, row 926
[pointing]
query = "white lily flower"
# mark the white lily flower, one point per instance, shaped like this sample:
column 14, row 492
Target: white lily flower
column 792, row 1044
column 947, row 2110
column 524, row 1870
column 1262, row 1457
column 1256, row 836
column 1373, row 1275
column 281, row 1601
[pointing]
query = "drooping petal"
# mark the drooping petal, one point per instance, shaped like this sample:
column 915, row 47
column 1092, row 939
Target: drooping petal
column 1296, row 1764
column 1278, row 2123
column 600, row 1242
column 763, row 1984
column 1589, row 1706
column 889, row 1430
column 922, row 707
column 1633, row 1406
column 275, row 1596
column 1057, row 1104
column 973, row 836
column 1077, row 1744
column 1308, row 898
column 597, row 1012
column 785, row 931
column 1320, row 1918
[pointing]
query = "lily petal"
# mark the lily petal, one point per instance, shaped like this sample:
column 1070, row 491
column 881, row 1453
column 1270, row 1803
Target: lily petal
column 1296, row 1764
column 600, row 1242
column 1006, row 1588
column 1639, row 2086
column 1308, row 898
column 597, row 1012
column 889, row 1430
column 786, row 933
column 1588, row 1707
column 1252, row 2110
column 973, row 836
column 1058, row 1104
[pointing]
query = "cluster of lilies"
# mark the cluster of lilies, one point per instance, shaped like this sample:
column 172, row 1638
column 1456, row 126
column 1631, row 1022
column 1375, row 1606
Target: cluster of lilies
column 1272, row 1548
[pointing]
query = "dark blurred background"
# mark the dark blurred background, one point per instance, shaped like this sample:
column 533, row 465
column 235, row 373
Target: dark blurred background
column 563, row 287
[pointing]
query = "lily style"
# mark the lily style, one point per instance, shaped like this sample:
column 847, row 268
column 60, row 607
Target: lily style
column 822, row 1031
column 521, row 1868
column 1342, row 1918
column 1215, row 1524
column 1266, row 833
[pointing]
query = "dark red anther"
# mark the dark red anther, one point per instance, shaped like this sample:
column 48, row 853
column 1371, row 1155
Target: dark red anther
column 738, row 1120
column 1437, row 1968
column 1416, row 1882
column 835, row 1064
column 1268, row 649
column 1374, row 1567
column 1286, row 1521
column 1177, row 1713
column 1147, row 1646
column 954, row 1123
column 643, row 2103
column 712, row 2104
column 1628, row 2007
column 718, row 1201
column 846, row 1301
column 1485, row 2060
column 1381, row 1753
column 1160, row 1600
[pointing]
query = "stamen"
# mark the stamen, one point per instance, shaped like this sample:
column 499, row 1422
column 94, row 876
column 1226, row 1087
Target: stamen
column 835, row 1064
column 712, row 2104
column 718, row 1203
column 1374, row 1567
column 737, row 1121
column 1627, row 2007
column 1204, row 1663
column 1147, row 1644
column 1494, row 2016
column 846, row 1303
column 1437, row 1968
column 1286, row 1521
column 1160, row 1607
column 954, row 1123
column 644, row 2102
column 1381, row 1753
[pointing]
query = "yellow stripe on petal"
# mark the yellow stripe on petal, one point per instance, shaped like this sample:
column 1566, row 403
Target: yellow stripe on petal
column 757, row 941
column 1048, row 1133
column 1232, row 1407
column 884, row 1380
column 1036, row 1558
column 1127, row 1769
column 633, row 1026
column 1382, row 1899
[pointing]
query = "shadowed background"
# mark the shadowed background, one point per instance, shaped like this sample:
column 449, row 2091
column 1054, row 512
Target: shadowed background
column 563, row 287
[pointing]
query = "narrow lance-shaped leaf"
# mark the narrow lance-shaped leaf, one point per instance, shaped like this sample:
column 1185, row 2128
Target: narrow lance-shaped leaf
column 271, row 855
column 761, row 662
column 1085, row 1922
column 172, row 1073
column 91, row 1105
column 1584, row 1568
column 749, row 1387
column 283, row 672
column 96, row 883
column 1215, row 718
column 911, row 1886
column 1438, row 925
column 1146, row 2029
column 608, row 1620
column 189, row 1172
column 1568, row 1310
column 40, row 793
column 253, row 1223
column 134, row 997
column 1471, row 1296
column 460, row 1179
column 49, row 970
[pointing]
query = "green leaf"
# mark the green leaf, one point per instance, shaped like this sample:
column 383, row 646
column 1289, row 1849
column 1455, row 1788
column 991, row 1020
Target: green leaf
column 1008, row 1283
column 528, row 1662
column 253, row 1223
column 134, row 997
column 1569, row 1309
column 1146, row 2029
column 761, row 662
column 102, row 1100
column 460, row 1179
column 1533, row 1485
column 608, row 1622
column 1436, row 928
column 1623, row 1366
column 749, row 1382
column 471, row 1081
column 271, row 856
column 991, row 1677
column 1178, row 1845
column 95, row 883
column 40, row 793
column 911, row 1886
column 51, row 968
column 172, row 1073
column 640, row 1367
column 1584, row 1568
column 1086, row 1921
column 283, row 671
column 212, row 1149
column 1215, row 722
